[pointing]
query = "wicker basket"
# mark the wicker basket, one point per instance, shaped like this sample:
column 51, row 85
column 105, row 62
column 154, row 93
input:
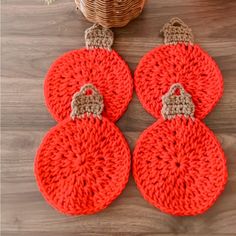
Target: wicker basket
column 110, row 13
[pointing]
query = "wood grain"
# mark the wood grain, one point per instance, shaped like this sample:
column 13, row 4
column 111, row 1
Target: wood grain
column 33, row 35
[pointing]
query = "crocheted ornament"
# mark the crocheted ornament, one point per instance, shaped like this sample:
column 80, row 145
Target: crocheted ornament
column 178, row 164
column 96, row 64
column 83, row 163
column 178, row 61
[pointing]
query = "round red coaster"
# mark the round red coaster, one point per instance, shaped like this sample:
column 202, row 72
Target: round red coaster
column 105, row 69
column 180, row 63
column 82, row 165
column 179, row 166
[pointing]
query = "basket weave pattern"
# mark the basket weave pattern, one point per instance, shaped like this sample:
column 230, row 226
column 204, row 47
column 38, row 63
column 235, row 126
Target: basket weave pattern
column 110, row 13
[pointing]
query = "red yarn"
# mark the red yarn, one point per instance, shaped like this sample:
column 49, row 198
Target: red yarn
column 179, row 166
column 82, row 165
column 185, row 64
column 104, row 69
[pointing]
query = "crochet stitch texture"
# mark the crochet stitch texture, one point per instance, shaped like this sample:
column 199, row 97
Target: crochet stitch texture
column 105, row 69
column 188, row 65
column 83, row 163
column 179, row 166
column 178, row 163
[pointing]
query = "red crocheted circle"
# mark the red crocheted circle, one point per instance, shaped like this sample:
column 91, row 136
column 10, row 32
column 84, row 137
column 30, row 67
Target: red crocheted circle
column 82, row 165
column 185, row 64
column 179, row 166
column 104, row 69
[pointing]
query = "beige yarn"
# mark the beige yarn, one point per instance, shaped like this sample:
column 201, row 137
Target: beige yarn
column 176, row 31
column 86, row 104
column 174, row 105
column 99, row 37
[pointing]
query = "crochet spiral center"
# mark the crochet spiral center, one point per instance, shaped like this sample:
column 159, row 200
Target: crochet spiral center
column 178, row 164
column 83, row 163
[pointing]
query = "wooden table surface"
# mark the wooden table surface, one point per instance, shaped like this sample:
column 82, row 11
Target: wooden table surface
column 33, row 35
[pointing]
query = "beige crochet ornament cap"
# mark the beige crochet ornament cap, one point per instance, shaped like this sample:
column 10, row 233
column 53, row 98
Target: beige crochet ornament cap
column 176, row 31
column 97, row 64
column 88, row 101
column 175, row 104
column 99, row 37
column 180, row 61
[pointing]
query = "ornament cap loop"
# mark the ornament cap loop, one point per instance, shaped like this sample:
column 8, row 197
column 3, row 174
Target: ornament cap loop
column 99, row 37
column 177, row 104
column 86, row 102
column 176, row 31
